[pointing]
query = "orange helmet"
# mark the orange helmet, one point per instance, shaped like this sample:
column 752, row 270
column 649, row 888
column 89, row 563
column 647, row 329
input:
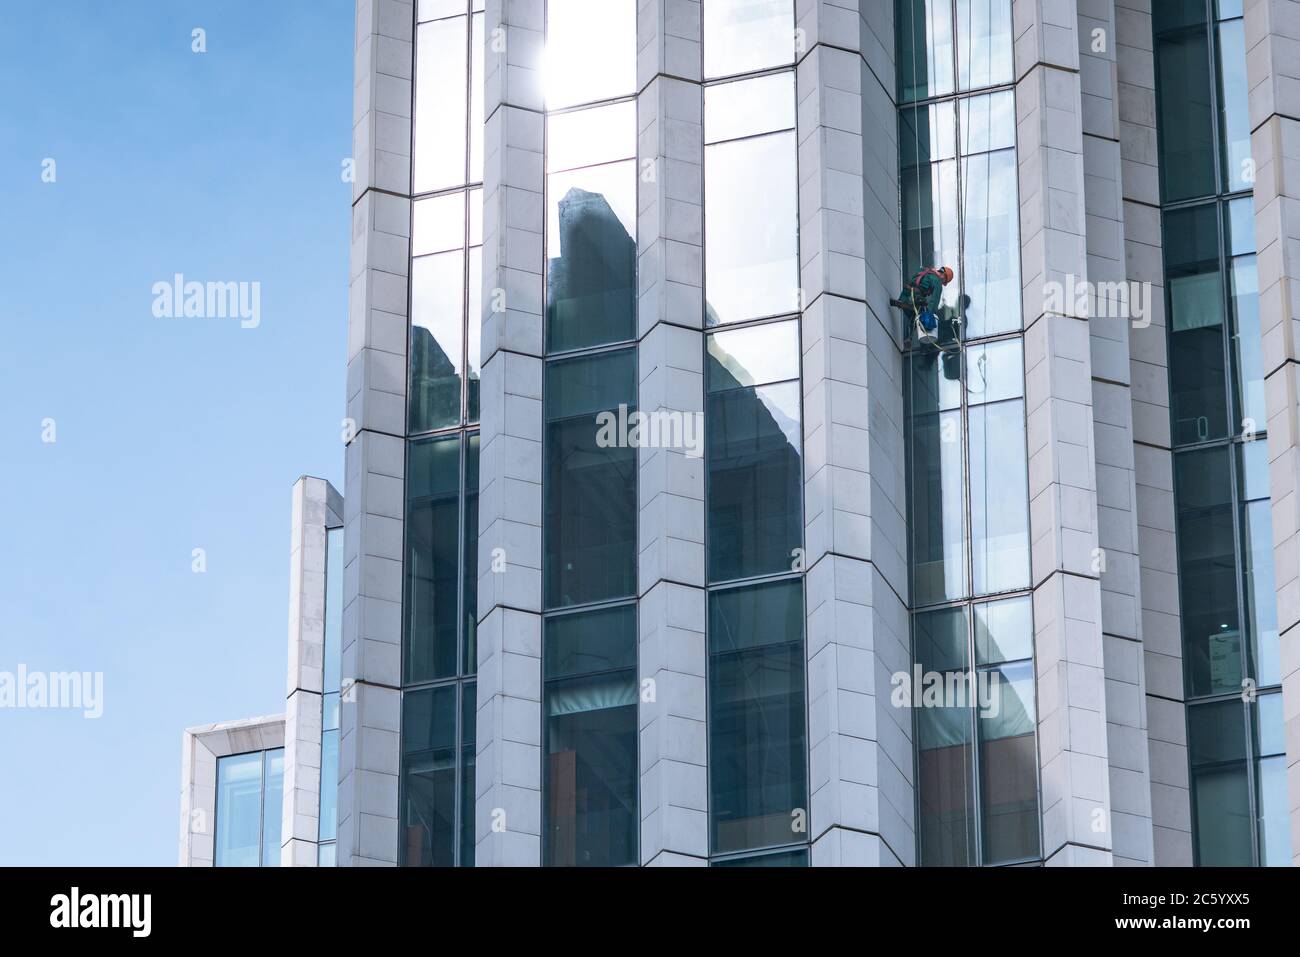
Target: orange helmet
column 947, row 275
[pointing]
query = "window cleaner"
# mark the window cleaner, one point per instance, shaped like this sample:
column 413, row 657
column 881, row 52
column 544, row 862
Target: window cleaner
column 920, row 297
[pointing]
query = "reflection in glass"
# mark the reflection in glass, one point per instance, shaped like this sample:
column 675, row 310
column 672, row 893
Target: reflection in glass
column 925, row 52
column 757, row 732
column 476, row 101
column 1270, row 782
column 779, row 859
column 1216, row 737
column 1185, row 107
column 591, row 275
column 1008, row 765
column 1257, row 579
column 742, row 36
column 437, row 330
column 441, row 81
column 983, row 43
column 935, row 471
column 1243, row 301
column 239, row 810
column 432, row 559
column 272, row 805
column 945, row 760
column 473, row 349
column 751, row 248
column 764, row 104
column 1196, row 360
column 428, row 811
column 754, row 480
column 590, row 51
column 1234, row 112
column 995, row 371
column 755, row 355
column 999, row 498
column 590, row 482
column 468, row 723
column 988, row 123
column 591, row 738
column 1208, row 572
column 469, row 653
column 991, row 255
column 329, row 785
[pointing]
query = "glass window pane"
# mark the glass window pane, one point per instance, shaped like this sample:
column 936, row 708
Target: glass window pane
column 329, row 784
column 590, row 486
column 757, row 737
column 591, row 739
column 995, row 371
column 239, row 810
column 1185, row 107
column 930, row 228
column 990, row 278
column 468, row 723
column 1259, row 590
column 590, row 51
column 742, row 36
column 438, row 224
column 983, row 43
column 469, row 655
column 751, row 249
column 272, row 805
column 473, row 347
column 988, row 123
column 749, row 107
column 602, row 134
column 428, row 812
column 432, row 553
column 945, row 758
column 937, row 498
column 1196, row 362
column 1207, row 572
column 591, row 245
column 476, row 101
column 756, row 355
column 1008, row 763
column 1004, row 631
column 999, row 496
column 1216, row 736
column 327, row 855
column 441, row 78
column 754, row 481
column 780, row 859
column 925, row 51
column 1234, row 112
column 437, row 340
column 1274, row 818
column 437, row 9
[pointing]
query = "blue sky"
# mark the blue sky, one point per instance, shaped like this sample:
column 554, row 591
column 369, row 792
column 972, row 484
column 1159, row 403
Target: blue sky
column 171, row 434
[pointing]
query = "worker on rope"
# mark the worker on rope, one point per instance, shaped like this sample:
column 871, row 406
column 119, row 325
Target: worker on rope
column 921, row 296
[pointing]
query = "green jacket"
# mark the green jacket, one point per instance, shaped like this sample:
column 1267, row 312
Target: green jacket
column 927, row 290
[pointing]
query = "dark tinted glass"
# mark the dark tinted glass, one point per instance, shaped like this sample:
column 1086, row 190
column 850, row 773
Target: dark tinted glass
column 1216, row 735
column 432, row 559
column 1185, row 102
column 590, row 485
column 757, row 737
column 591, row 739
column 1197, row 371
column 428, row 813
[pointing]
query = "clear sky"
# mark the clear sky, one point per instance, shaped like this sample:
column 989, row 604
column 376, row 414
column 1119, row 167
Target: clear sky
column 170, row 434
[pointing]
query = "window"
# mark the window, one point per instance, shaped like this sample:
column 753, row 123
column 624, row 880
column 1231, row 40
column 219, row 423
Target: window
column 754, row 481
column 250, row 791
column 448, row 111
column 590, row 51
column 437, row 782
column 751, row 250
column 757, row 727
column 590, row 227
column 591, row 738
column 433, row 555
column 741, row 36
column 590, row 481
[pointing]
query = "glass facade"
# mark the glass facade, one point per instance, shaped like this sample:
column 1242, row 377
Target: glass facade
column 1218, row 426
column 250, row 793
column 331, row 682
column 440, row 558
column 967, row 466
column 757, row 687
column 589, row 481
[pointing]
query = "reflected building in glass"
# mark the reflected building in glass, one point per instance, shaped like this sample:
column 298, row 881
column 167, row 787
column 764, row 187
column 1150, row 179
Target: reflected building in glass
column 666, row 543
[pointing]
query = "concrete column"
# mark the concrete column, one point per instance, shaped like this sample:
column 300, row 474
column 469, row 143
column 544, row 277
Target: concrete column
column 1117, row 562
column 1160, row 631
column 508, row 762
column 1273, row 70
column 672, row 654
column 316, row 508
column 862, row 808
column 376, row 456
column 1068, row 645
